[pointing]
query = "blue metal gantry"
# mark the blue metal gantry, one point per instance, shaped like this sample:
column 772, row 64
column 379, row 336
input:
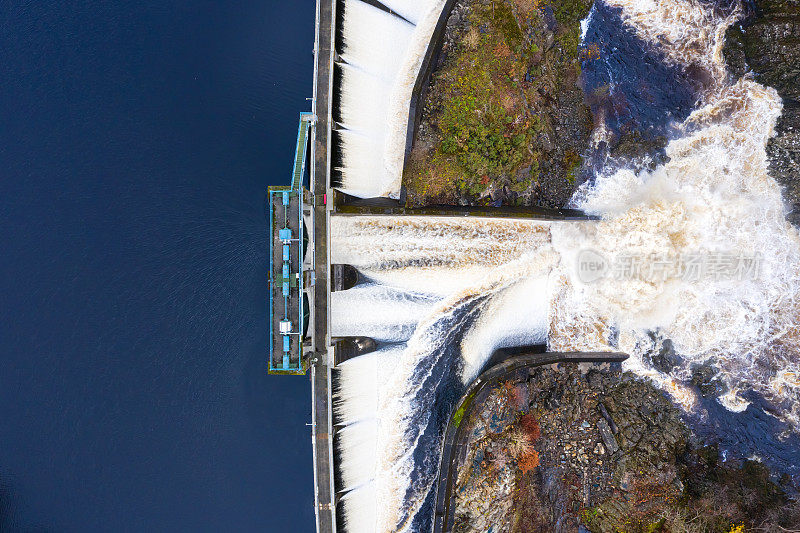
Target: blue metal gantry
column 286, row 285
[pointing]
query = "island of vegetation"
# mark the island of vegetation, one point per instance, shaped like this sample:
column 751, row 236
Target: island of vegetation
column 504, row 120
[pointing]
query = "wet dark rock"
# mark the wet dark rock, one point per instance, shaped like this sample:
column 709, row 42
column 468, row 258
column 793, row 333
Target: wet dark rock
column 594, row 379
column 649, row 94
column 706, row 378
column 612, row 453
column 665, row 359
column 607, row 417
column 608, row 436
column 547, row 144
column 767, row 43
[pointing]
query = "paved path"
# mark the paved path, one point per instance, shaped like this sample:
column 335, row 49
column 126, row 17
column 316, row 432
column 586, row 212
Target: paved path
column 320, row 364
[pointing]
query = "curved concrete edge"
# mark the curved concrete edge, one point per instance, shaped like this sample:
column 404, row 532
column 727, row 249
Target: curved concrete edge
column 453, row 438
column 424, row 75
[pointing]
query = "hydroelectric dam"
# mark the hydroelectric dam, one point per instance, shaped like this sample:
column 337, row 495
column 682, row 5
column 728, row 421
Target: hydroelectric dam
column 349, row 154
column 402, row 315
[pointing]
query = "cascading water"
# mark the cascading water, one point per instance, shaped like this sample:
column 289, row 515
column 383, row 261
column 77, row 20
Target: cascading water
column 392, row 316
column 381, row 56
column 397, row 400
column 464, row 287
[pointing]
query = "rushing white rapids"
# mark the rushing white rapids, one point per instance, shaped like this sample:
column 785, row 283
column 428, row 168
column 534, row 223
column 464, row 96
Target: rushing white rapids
column 386, row 398
column 500, row 282
column 381, row 57
column 433, row 255
column 687, row 31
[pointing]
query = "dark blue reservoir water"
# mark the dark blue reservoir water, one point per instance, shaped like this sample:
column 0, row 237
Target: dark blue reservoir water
column 137, row 139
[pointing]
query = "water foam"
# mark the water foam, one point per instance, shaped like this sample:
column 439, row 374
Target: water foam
column 433, row 255
column 433, row 371
column 401, row 402
column 381, row 57
column 378, row 311
column 689, row 32
column 713, row 195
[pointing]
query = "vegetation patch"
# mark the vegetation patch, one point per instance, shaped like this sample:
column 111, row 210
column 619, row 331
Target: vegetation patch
column 459, row 414
column 504, row 120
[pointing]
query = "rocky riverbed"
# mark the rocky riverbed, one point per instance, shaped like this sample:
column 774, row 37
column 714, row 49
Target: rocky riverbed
column 589, row 448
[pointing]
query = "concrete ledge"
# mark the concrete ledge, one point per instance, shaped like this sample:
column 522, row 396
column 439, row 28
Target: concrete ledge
column 424, row 76
column 529, row 213
column 319, row 183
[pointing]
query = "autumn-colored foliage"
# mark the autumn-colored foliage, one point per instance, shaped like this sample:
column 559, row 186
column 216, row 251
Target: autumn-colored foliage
column 528, row 6
column 528, row 461
column 530, row 426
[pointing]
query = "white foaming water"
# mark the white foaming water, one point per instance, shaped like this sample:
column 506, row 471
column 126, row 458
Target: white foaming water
column 388, row 397
column 433, row 255
column 413, row 10
column 402, row 484
column 372, row 39
column 516, row 317
column 713, row 196
column 585, row 24
column 361, row 379
column 378, row 311
column 508, row 281
column 381, row 57
column 364, row 98
column 361, row 382
column 687, row 31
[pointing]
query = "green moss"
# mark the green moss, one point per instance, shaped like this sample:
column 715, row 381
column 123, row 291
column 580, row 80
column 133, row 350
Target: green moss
column 567, row 12
column 492, row 99
column 476, row 129
column 572, row 162
column 658, row 525
column 503, row 18
column 459, row 414
column 570, row 41
column 590, row 516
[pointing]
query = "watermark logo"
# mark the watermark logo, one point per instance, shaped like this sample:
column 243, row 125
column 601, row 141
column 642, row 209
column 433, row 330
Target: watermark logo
column 690, row 267
column 592, row 266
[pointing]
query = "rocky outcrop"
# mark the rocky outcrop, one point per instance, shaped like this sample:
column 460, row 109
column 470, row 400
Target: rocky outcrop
column 767, row 43
column 588, row 448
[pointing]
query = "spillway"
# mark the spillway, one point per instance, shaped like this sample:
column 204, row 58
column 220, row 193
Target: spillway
column 502, row 282
column 381, row 53
column 393, row 404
